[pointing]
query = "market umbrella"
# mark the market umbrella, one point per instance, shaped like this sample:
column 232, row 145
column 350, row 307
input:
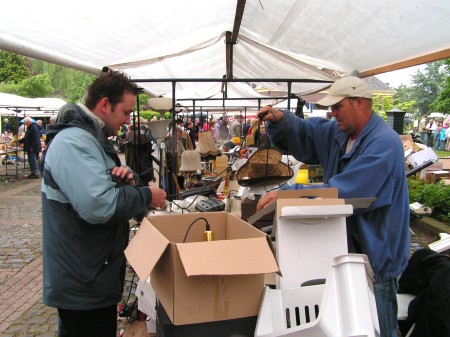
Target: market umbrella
column 23, row 119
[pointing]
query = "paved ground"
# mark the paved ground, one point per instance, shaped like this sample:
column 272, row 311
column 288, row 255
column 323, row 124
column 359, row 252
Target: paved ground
column 22, row 313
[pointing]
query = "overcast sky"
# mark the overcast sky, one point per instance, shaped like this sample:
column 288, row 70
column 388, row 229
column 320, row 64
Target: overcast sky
column 398, row 77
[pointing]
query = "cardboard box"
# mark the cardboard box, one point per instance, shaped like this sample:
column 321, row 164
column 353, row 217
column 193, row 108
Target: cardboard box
column 445, row 163
column 425, row 173
column 310, row 230
column 438, row 175
column 199, row 281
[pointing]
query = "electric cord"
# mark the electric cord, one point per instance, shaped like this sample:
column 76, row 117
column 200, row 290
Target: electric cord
column 193, row 222
column 183, row 208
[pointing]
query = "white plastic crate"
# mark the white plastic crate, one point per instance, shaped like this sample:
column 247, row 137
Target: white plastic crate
column 344, row 306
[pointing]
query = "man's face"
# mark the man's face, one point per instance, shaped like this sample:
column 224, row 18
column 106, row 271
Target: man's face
column 345, row 114
column 120, row 114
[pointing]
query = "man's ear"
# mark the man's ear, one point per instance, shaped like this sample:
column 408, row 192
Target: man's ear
column 103, row 105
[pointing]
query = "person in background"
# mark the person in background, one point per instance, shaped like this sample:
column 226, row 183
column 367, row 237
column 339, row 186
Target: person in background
column 224, row 131
column 362, row 157
column 430, row 128
column 22, row 129
column 32, row 146
column 236, row 127
column 443, row 137
column 183, row 143
column 246, row 127
column 436, row 136
column 7, row 127
column 190, row 129
column 447, row 142
column 215, row 128
column 138, row 151
column 88, row 198
column 40, row 127
column 422, row 129
column 52, row 120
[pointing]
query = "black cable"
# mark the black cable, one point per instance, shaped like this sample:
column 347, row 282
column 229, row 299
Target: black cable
column 203, row 187
column 193, row 222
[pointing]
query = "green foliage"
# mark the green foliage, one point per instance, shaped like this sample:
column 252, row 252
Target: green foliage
column 149, row 114
column 143, row 98
column 378, row 106
column 70, row 84
column 78, row 87
column 10, row 88
column 36, row 86
column 427, row 85
column 435, row 196
column 13, row 68
column 442, row 102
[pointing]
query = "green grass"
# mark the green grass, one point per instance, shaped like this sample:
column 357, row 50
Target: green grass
column 442, row 154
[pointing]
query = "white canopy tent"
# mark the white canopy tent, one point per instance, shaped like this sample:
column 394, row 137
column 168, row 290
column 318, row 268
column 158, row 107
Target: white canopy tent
column 164, row 45
column 18, row 106
column 24, row 106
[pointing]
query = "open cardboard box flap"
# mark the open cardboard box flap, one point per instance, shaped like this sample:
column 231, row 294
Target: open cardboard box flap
column 225, row 257
column 147, row 236
column 230, row 256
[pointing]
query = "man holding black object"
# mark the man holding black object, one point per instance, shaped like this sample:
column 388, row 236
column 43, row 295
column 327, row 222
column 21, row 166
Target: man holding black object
column 88, row 197
column 362, row 157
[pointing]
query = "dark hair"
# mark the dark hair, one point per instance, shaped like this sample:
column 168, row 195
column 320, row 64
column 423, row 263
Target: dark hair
column 112, row 85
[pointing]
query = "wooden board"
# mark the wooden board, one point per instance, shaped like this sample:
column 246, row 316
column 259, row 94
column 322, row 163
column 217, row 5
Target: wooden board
column 137, row 329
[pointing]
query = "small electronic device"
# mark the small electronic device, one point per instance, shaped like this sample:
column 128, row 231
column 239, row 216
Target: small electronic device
column 205, row 191
column 418, row 208
column 211, row 204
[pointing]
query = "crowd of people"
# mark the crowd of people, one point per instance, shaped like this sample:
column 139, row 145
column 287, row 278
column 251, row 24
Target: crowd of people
column 435, row 133
column 30, row 136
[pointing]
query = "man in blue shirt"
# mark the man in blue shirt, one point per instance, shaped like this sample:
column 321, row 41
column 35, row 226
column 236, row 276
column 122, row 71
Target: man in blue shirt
column 362, row 157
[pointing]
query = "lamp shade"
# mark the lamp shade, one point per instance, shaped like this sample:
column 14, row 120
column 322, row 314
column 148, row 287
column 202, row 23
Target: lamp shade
column 160, row 104
column 190, row 161
column 206, row 145
column 159, row 128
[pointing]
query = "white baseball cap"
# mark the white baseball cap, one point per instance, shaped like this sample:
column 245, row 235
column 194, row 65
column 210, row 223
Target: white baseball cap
column 346, row 87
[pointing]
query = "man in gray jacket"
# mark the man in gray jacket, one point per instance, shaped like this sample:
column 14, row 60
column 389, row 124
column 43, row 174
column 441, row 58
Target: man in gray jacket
column 88, row 197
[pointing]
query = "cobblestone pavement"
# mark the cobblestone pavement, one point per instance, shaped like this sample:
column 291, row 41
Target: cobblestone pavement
column 22, row 313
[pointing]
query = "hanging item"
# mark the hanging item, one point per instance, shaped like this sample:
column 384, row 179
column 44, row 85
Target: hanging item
column 190, row 162
column 264, row 167
column 206, row 145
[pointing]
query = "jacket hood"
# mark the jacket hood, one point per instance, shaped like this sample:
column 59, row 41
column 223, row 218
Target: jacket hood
column 72, row 115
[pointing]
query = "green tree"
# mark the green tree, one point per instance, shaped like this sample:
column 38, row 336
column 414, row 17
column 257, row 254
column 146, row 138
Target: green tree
column 442, row 102
column 36, row 86
column 69, row 84
column 78, row 87
column 427, row 85
column 405, row 100
column 13, row 68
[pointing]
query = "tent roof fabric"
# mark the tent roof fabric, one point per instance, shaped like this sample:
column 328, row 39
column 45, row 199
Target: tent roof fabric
column 12, row 105
column 278, row 39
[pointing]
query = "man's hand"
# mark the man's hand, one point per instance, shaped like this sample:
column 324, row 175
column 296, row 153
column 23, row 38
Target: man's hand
column 123, row 175
column 158, row 198
column 268, row 113
column 266, row 199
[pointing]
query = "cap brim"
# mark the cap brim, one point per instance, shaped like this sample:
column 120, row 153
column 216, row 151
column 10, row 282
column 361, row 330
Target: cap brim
column 330, row 100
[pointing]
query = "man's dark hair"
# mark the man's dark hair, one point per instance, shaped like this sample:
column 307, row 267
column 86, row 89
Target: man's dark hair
column 112, row 85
